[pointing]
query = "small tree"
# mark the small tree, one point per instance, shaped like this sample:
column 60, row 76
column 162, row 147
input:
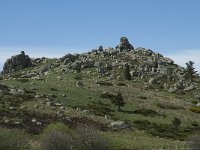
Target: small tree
column 190, row 72
column 127, row 74
column 118, row 101
column 176, row 123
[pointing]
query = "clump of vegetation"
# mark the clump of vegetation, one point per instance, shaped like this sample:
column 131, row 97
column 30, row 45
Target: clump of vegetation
column 99, row 108
column 83, row 138
column 147, row 112
column 169, row 106
column 127, row 74
column 142, row 97
column 107, row 95
column 176, row 123
column 118, row 100
column 78, row 77
column 190, row 73
column 12, row 139
column 53, row 89
column 56, row 140
column 104, row 83
column 121, row 84
column 56, row 127
column 195, row 109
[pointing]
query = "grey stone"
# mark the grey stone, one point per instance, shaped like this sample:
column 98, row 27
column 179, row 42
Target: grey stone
column 172, row 90
column 124, row 44
column 119, row 125
column 79, row 83
column 16, row 63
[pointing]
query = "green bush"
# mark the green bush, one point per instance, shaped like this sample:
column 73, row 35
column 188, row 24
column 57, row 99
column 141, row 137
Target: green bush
column 104, row 83
column 12, row 139
column 87, row 138
column 107, row 95
column 147, row 112
column 56, row 127
column 195, row 109
column 121, row 84
column 83, row 138
column 98, row 108
column 56, row 140
column 78, row 77
column 169, row 106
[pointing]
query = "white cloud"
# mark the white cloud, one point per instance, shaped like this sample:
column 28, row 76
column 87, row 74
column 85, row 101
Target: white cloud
column 181, row 57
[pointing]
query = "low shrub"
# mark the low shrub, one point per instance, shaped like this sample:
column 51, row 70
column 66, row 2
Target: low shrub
column 53, row 89
column 56, row 140
column 147, row 112
column 78, row 77
column 98, row 108
column 121, row 84
column 56, row 127
column 83, row 138
column 104, row 83
column 87, row 138
column 195, row 109
column 169, row 106
column 12, row 139
column 107, row 95
column 142, row 97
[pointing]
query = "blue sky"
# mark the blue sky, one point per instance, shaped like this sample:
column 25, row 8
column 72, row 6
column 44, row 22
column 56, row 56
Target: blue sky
column 55, row 27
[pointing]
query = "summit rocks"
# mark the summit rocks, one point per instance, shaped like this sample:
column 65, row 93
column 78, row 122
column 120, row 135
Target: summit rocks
column 15, row 63
column 124, row 44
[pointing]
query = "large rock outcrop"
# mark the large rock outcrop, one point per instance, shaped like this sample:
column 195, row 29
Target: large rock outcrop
column 124, row 44
column 16, row 63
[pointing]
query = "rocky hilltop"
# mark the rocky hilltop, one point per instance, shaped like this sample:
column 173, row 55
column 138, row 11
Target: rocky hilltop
column 136, row 97
column 145, row 64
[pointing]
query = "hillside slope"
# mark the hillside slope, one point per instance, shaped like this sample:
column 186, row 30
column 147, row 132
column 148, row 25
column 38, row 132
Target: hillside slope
column 80, row 88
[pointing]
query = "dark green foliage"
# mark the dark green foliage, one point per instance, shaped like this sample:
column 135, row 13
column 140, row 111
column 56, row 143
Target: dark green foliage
column 107, row 95
column 142, row 97
column 190, row 73
column 176, row 123
column 12, row 139
column 161, row 130
column 121, row 84
column 147, row 112
column 169, row 106
column 127, row 74
column 53, row 89
column 195, row 109
column 118, row 101
column 99, row 108
column 78, row 77
column 104, row 83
